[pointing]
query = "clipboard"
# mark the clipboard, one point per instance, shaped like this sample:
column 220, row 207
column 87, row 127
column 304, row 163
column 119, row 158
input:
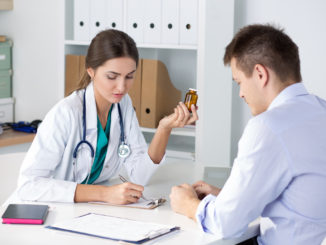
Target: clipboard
column 143, row 204
column 113, row 228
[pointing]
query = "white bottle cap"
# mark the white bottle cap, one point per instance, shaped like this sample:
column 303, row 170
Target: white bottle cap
column 193, row 89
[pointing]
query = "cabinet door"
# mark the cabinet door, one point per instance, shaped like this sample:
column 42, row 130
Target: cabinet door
column 170, row 21
column 188, row 21
column 81, row 20
column 135, row 19
column 152, row 21
column 98, row 13
column 115, row 14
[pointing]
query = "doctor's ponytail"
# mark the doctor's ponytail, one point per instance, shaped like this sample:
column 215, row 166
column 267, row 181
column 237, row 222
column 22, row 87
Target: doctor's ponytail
column 106, row 45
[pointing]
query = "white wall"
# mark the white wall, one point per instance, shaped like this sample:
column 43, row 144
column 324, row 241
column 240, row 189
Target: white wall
column 305, row 22
column 36, row 28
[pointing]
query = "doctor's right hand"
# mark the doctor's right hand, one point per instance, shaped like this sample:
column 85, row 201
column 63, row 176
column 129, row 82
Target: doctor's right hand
column 125, row 193
column 203, row 189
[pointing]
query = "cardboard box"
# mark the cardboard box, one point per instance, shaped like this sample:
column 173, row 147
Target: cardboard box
column 135, row 91
column 75, row 68
column 6, row 110
column 6, row 4
column 158, row 95
column 5, row 83
column 5, row 55
column 82, row 68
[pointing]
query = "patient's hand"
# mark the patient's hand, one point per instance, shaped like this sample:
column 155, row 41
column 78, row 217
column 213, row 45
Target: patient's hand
column 203, row 189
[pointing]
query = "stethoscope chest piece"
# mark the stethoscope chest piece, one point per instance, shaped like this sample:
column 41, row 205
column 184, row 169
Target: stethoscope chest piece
column 123, row 150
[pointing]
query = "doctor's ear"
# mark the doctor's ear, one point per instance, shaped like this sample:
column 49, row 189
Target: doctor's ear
column 91, row 72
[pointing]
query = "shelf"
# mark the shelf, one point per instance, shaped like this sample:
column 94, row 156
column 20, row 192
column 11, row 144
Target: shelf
column 188, row 131
column 160, row 46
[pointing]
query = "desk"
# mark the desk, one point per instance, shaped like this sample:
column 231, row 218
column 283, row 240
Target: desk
column 12, row 137
column 172, row 173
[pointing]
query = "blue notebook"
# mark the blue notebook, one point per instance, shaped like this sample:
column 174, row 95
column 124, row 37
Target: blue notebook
column 114, row 228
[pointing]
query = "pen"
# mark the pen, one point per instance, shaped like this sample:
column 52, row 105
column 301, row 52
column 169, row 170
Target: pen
column 123, row 179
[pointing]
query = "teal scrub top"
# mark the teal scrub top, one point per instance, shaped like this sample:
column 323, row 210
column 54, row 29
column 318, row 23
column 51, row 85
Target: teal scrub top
column 101, row 149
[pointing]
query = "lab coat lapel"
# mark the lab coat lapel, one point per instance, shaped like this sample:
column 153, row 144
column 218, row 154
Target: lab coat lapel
column 114, row 132
column 91, row 116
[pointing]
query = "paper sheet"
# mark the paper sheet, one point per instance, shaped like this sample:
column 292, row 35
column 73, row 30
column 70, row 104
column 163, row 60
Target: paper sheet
column 140, row 204
column 112, row 227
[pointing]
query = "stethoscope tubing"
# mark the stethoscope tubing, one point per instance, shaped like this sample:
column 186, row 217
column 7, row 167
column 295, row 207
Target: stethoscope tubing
column 84, row 141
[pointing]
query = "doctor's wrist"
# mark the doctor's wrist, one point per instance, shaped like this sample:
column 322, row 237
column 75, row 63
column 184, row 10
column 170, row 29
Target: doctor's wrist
column 164, row 129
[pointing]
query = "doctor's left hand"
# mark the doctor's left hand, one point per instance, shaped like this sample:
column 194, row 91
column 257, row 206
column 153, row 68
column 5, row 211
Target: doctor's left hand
column 180, row 117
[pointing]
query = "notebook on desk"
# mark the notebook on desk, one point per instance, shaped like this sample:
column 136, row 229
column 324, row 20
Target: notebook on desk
column 113, row 228
column 143, row 204
column 25, row 214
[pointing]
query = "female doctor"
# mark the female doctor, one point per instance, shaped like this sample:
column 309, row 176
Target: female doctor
column 89, row 135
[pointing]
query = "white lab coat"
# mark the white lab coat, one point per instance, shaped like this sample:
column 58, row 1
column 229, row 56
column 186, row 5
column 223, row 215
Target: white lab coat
column 47, row 170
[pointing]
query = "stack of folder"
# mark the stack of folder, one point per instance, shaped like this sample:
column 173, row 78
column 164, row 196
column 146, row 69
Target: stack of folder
column 153, row 94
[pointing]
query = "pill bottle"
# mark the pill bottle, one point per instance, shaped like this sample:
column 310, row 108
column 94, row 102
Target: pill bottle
column 191, row 98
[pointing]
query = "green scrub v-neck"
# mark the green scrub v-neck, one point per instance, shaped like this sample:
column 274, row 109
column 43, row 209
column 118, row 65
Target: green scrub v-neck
column 101, row 149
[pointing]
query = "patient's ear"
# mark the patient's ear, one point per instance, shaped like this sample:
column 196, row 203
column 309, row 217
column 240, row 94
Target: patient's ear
column 261, row 74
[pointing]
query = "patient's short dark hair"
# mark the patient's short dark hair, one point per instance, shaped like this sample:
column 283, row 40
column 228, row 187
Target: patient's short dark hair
column 268, row 46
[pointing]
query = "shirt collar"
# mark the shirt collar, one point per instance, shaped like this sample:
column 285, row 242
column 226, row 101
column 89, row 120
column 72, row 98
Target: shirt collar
column 289, row 92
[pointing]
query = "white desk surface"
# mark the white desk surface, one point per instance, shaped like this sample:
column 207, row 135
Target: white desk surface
column 172, row 173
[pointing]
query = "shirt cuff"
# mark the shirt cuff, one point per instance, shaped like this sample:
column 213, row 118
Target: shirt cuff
column 201, row 211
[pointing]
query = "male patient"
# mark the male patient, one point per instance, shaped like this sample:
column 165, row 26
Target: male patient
column 280, row 170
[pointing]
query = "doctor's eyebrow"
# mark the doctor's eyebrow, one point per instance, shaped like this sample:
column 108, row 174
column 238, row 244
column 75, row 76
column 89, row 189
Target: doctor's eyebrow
column 116, row 73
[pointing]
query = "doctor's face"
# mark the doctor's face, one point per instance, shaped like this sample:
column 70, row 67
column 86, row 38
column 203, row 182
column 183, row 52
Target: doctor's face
column 114, row 78
column 250, row 89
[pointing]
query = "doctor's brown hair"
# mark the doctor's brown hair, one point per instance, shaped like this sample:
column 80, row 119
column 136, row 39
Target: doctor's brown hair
column 106, row 45
column 268, row 46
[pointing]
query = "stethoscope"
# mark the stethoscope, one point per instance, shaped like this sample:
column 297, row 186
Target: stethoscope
column 123, row 149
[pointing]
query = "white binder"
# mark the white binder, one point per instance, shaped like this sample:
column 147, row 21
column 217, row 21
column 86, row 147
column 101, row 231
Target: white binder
column 98, row 16
column 170, row 22
column 152, row 21
column 115, row 14
column 81, row 20
column 135, row 20
column 188, row 21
